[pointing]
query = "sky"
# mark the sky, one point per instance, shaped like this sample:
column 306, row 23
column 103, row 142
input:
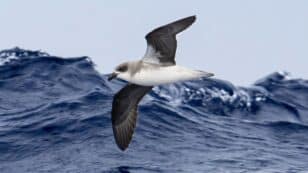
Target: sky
column 239, row 40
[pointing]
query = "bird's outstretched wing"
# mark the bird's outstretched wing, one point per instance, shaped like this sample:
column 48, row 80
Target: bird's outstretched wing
column 125, row 111
column 161, row 42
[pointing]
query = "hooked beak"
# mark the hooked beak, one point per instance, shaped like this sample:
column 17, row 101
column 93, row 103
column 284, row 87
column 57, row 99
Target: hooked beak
column 112, row 76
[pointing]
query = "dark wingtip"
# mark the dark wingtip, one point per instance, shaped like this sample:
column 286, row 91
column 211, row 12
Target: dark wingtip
column 183, row 23
column 122, row 148
column 190, row 19
column 193, row 18
column 121, row 141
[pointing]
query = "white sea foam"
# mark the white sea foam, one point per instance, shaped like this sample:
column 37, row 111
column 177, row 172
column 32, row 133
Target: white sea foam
column 286, row 75
column 4, row 60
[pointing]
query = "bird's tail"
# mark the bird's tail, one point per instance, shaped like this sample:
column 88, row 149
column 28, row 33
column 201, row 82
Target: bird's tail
column 205, row 74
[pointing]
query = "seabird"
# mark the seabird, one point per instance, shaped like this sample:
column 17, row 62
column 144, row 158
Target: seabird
column 155, row 68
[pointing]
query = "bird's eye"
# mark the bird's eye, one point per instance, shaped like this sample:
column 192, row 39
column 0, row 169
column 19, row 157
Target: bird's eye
column 122, row 68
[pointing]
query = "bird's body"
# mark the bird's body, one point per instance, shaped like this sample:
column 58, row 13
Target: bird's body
column 147, row 74
column 157, row 67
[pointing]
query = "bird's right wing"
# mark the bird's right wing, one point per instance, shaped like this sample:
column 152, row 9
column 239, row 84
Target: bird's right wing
column 124, row 112
column 161, row 42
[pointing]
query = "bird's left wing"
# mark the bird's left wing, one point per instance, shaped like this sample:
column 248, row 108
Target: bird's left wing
column 124, row 112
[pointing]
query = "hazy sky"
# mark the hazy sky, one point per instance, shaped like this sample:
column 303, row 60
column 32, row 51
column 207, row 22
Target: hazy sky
column 239, row 40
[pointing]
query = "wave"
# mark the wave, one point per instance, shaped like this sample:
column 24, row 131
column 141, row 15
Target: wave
column 48, row 101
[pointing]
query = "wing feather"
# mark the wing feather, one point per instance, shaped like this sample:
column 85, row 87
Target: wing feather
column 162, row 42
column 124, row 112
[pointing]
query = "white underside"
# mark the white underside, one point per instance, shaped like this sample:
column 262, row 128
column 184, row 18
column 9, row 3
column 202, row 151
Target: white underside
column 163, row 75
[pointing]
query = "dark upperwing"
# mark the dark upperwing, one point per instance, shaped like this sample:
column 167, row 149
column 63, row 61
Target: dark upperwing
column 162, row 42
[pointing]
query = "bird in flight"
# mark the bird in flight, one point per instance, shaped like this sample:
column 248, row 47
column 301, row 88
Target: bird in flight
column 157, row 67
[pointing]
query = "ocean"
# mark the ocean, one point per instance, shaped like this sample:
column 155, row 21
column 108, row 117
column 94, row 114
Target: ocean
column 55, row 117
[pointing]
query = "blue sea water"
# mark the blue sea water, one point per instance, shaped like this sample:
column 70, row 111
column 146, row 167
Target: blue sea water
column 55, row 117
